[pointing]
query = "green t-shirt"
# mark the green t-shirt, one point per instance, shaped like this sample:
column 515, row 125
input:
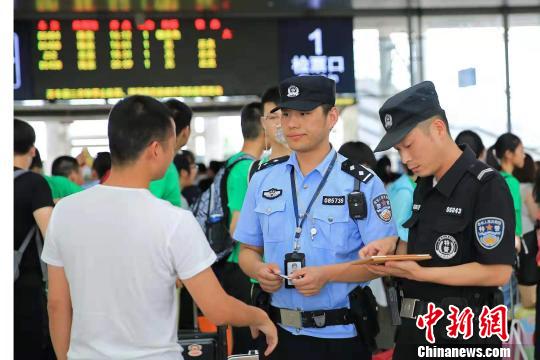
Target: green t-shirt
column 168, row 187
column 237, row 184
column 513, row 184
column 61, row 186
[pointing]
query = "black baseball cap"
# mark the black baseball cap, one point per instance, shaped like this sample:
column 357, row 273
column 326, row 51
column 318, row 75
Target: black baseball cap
column 403, row 111
column 305, row 93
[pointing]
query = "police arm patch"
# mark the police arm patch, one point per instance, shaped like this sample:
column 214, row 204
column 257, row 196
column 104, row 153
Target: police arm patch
column 381, row 204
column 489, row 232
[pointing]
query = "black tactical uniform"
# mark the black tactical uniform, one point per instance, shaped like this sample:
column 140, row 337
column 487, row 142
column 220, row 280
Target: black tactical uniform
column 468, row 216
column 465, row 217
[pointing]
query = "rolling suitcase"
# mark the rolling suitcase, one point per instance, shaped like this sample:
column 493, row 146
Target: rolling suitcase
column 204, row 346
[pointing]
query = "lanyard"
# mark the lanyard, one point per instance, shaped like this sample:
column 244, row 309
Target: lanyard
column 300, row 220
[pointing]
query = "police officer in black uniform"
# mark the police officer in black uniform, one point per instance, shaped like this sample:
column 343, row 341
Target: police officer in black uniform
column 463, row 216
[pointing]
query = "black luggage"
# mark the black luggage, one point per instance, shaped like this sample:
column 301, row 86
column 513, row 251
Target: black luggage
column 199, row 345
column 204, row 346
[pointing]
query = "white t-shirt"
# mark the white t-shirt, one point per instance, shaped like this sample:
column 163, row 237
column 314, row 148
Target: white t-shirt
column 122, row 250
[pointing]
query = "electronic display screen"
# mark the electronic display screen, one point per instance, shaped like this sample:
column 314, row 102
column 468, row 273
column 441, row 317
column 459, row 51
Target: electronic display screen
column 113, row 57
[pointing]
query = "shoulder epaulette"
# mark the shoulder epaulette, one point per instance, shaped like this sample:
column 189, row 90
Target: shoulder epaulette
column 482, row 172
column 273, row 162
column 357, row 170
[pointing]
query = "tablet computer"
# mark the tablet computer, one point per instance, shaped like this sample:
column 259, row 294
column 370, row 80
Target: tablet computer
column 381, row 259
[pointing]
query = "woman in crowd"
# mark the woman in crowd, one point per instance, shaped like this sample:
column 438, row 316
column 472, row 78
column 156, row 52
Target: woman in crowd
column 506, row 155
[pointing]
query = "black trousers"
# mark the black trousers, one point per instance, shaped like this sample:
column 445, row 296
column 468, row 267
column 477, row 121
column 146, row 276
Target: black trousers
column 31, row 335
column 300, row 347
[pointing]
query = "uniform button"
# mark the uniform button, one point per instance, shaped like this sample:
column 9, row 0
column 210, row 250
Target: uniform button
column 330, row 219
column 268, row 210
column 305, row 186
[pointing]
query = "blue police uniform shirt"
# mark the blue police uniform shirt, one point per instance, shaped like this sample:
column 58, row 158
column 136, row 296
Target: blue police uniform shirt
column 267, row 219
column 401, row 193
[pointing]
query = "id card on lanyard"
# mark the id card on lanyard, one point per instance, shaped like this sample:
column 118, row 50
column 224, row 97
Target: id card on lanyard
column 297, row 260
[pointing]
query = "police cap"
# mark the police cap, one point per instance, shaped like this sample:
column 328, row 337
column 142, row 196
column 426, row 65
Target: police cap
column 403, row 111
column 305, row 93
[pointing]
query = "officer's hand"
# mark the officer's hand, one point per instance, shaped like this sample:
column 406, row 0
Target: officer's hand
column 384, row 246
column 309, row 280
column 267, row 278
column 403, row 269
column 269, row 330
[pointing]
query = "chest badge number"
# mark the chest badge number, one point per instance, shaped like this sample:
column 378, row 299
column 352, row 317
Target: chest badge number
column 272, row 194
column 333, row 200
column 446, row 247
column 455, row 211
column 489, row 232
column 381, row 204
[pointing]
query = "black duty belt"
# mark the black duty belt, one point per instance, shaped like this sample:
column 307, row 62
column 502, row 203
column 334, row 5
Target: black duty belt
column 310, row 319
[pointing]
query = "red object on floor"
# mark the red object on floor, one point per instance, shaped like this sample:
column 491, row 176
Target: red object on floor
column 385, row 355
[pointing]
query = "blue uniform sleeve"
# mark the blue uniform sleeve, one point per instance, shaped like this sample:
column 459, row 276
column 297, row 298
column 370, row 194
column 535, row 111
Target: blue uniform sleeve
column 379, row 222
column 402, row 202
column 248, row 229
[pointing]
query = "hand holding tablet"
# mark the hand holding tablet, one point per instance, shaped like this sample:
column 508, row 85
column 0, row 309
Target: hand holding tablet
column 381, row 259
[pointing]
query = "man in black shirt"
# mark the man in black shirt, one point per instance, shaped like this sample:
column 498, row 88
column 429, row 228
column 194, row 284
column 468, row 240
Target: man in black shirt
column 462, row 216
column 32, row 206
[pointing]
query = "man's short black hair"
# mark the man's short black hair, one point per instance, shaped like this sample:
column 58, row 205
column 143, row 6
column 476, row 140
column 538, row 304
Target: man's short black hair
column 215, row 165
column 134, row 123
column 250, row 119
column 181, row 162
column 202, row 168
column 102, row 163
column 64, row 166
column 472, row 139
column 24, row 137
column 189, row 156
column 181, row 114
column 270, row 95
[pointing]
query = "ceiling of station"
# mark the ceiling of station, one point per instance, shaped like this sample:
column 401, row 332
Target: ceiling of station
column 250, row 7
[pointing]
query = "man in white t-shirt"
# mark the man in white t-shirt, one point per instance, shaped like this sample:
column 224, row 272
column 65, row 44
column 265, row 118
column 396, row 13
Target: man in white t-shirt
column 115, row 251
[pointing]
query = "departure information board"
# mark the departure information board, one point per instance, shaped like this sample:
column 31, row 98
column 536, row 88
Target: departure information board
column 89, row 58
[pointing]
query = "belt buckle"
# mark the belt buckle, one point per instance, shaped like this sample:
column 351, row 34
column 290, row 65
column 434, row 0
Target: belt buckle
column 407, row 308
column 292, row 318
column 320, row 320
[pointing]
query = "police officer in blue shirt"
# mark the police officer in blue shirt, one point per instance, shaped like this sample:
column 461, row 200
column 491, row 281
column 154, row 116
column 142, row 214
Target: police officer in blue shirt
column 308, row 215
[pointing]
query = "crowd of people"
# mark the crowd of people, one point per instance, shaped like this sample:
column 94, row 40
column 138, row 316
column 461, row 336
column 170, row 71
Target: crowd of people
column 133, row 241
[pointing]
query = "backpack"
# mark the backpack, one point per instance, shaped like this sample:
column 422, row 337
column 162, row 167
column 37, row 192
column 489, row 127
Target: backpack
column 212, row 211
column 32, row 234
